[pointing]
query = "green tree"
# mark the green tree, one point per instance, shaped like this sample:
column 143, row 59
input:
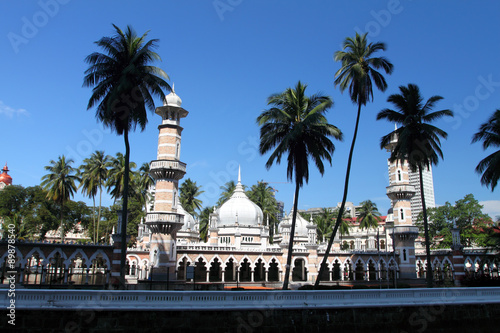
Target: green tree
column 116, row 176
column 60, row 184
column 489, row 134
column 369, row 216
column 418, row 142
column 124, row 83
column 94, row 173
column 263, row 196
column 296, row 126
column 466, row 214
column 142, row 183
column 204, row 220
column 324, row 223
column 359, row 68
column 189, row 193
column 227, row 192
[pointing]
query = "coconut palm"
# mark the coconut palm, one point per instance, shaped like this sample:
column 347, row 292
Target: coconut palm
column 369, row 216
column 116, row 176
column 144, row 184
column 227, row 192
column 489, row 134
column 359, row 68
column 60, row 184
column 124, row 83
column 204, row 220
column 189, row 193
column 263, row 196
column 418, row 141
column 324, row 223
column 94, row 173
column 296, row 126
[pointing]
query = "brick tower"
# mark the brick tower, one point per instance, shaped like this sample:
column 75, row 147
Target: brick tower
column 400, row 192
column 167, row 170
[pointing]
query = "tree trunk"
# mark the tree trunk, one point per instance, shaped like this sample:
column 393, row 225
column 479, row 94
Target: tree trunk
column 292, row 234
column 344, row 199
column 62, row 222
column 124, row 212
column 93, row 217
column 99, row 214
column 428, row 276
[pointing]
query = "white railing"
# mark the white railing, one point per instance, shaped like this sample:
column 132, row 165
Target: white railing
column 29, row 299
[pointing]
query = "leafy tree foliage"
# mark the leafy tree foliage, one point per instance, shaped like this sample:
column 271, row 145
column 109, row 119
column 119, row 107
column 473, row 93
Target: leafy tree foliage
column 467, row 214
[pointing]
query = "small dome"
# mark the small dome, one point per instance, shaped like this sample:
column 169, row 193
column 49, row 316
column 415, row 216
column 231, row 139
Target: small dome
column 4, row 176
column 300, row 223
column 172, row 99
column 239, row 208
column 189, row 221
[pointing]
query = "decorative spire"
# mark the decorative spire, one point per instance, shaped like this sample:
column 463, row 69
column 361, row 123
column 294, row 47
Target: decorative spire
column 239, row 173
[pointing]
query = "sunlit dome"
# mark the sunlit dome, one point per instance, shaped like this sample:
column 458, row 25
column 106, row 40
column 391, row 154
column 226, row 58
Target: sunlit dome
column 189, row 221
column 4, row 176
column 172, row 99
column 300, row 223
column 239, row 208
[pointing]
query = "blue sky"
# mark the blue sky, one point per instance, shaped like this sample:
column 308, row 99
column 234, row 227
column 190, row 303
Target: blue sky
column 225, row 58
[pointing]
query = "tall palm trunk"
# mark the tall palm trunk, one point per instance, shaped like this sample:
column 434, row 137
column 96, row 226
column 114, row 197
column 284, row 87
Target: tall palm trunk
column 344, row 199
column 99, row 213
column 62, row 221
column 93, row 217
column 290, row 241
column 428, row 276
column 124, row 211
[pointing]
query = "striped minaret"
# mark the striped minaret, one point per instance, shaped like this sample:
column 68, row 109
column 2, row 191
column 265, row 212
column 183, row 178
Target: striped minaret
column 400, row 192
column 167, row 170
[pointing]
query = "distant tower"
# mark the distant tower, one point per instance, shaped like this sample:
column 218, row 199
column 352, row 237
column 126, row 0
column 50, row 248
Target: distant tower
column 167, row 170
column 416, row 201
column 5, row 178
column 400, row 192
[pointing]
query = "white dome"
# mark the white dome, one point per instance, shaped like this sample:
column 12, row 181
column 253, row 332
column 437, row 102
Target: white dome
column 188, row 219
column 172, row 99
column 300, row 224
column 239, row 209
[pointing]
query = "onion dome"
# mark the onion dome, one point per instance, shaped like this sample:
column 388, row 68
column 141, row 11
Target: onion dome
column 239, row 209
column 300, row 223
column 189, row 221
column 4, row 176
column 172, row 99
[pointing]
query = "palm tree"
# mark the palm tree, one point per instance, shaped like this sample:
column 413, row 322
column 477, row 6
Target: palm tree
column 60, row 184
column 345, row 225
column 369, row 216
column 359, row 68
column 227, row 192
column 123, row 83
column 189, row 196
column 324, row 223
column 296, row 126
column 144, row 184
column 263, row 196
column 116, row 176
column 94, row 173
column 418, row 140
column 204, row 219
column 489, row 133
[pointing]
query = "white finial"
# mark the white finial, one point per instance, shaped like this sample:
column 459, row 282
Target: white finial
column 395, row 126
column 173, row 87
column 239, row 174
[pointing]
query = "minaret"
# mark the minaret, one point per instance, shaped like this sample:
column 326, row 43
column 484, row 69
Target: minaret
column 400, row 192
column 167, row 170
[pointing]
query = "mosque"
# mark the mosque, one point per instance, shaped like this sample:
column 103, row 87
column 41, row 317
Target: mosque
column 238, row 251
